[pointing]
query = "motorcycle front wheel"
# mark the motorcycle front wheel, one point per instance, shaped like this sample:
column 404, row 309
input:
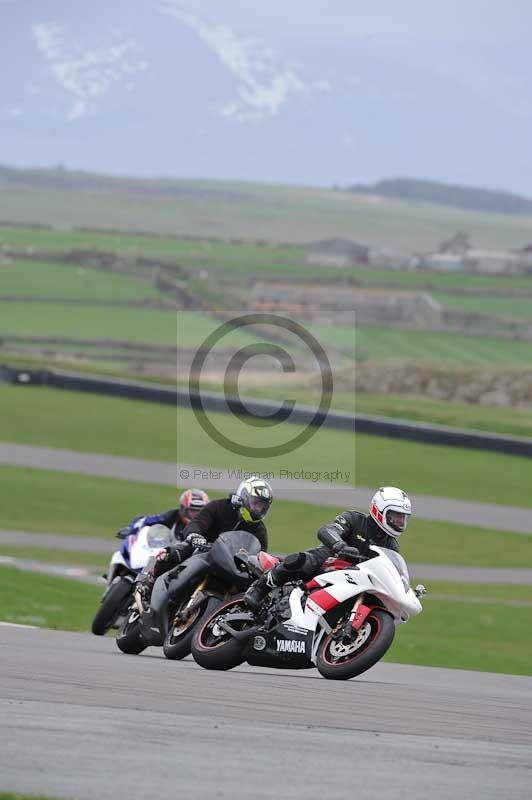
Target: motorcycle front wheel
column 341, row 657
column 178, row 640
column 113, row 603
column 214, row 648
column 129, row 639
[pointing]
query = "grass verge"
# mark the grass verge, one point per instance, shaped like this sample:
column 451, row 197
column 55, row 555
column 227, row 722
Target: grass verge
column 89, row 423
column 94, row 561
column 469, row 627
column 34, row 599
column 12, row 796
column 41, row 501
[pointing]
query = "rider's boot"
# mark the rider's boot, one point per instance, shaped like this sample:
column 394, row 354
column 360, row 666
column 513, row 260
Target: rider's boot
column 143, row 590
column 280, row 574
column 256, row 593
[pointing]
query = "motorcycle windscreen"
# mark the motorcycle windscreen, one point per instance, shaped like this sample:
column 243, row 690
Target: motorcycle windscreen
column 224, row 550
column 159, row 536
column 399, row 564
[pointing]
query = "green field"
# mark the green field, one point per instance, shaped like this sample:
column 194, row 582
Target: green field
column 516, row 309
column 47, row 279
column 96, row 562
column 12, row 796
column 231, row 210
column 47, row 602
column 98, row 424
column 113, row 323
column 434, row 282
column 50, row 502
column 237, row 257
column 495, row 419
column 236, row 260
column 235, row 264
column 469, row 627
column 433, row 347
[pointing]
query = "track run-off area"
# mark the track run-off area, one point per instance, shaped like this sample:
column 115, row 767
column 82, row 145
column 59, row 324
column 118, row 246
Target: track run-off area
column 78, row 719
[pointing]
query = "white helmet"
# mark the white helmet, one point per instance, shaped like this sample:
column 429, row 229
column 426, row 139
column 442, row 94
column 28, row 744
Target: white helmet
column 390, row 508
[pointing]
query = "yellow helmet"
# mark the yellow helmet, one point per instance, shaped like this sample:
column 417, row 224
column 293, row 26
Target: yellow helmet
column 254, row 497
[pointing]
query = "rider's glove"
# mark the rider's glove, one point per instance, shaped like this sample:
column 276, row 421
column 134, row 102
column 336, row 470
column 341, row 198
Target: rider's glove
column 337, row 546
column 196, row 540
column 164, row 554
column 420, row 590
column 350, row 553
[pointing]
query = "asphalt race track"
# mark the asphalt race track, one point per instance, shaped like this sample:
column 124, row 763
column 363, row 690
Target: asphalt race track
column 80, row 720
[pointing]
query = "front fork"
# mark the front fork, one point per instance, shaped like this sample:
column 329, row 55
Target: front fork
column 340, row 630
column 195, row 600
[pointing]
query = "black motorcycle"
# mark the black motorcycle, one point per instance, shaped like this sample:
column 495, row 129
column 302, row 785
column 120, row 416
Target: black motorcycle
column 186, row 595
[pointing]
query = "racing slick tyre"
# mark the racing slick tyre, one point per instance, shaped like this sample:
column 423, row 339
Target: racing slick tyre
column 113, row 603
column 341, row 657
column 129, row 639
column 214, row 648
column 178, row 640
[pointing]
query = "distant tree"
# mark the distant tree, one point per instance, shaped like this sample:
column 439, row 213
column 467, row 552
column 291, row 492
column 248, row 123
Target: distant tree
column 448, row 195
column 457, row 244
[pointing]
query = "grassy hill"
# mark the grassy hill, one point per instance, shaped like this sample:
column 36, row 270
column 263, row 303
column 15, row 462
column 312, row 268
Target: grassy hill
column 249, row 212
column 467, row 197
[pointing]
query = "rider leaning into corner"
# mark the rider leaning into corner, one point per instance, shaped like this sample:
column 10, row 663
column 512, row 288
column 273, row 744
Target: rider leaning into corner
column 244, row 511
column 351, row 534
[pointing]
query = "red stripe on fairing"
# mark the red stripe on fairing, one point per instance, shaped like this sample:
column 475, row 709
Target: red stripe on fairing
column 324, row 600
column 312, row 584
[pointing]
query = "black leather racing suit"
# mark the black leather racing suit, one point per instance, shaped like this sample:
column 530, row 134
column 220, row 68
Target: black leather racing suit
column 218, row 516
column 352, row 527
column 215, row 518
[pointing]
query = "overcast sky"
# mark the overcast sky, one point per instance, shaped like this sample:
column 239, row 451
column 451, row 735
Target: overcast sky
column 315, row 92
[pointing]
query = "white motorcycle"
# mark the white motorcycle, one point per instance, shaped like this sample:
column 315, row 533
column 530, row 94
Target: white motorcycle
column 136, row 550
column 342, row 621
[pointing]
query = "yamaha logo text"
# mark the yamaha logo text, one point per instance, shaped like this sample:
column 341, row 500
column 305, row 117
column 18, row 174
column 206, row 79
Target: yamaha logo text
column 290, row 646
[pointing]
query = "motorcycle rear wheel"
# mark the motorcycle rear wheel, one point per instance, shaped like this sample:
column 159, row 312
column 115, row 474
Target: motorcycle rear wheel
column 213, row 648
column 341, row 659
column 129, row 639
column 178, row 640
column 111, row 606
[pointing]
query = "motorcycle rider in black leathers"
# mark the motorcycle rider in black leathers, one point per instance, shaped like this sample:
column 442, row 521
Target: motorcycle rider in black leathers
column 244, row 511
column 351, row 535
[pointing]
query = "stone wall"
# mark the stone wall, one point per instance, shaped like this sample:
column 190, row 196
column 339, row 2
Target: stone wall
column 341, row 305
column 477, row 385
